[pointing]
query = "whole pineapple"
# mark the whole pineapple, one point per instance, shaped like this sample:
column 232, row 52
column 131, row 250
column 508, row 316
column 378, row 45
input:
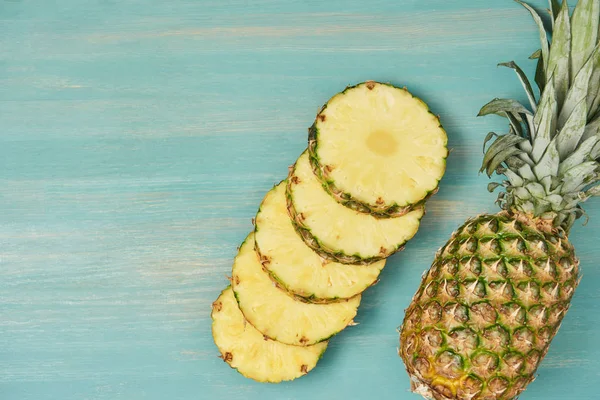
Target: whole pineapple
column 491, row 303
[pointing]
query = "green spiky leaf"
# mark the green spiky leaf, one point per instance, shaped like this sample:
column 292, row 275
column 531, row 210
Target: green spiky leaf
column 558, row 63
column 591, row 129
column 500, row 158
column 536, row 54
column 578, row 91
column 593, row 98
column 579, row 176
column 548, row 165
column 526, row 172
column 488, row 137
column 551, row 156
column 536, row 189
column 572, row 131
column 594, row 191
column 540, row 75
column 501, row 106
column 492, row 186
column 580, row 155
column 584, row 32
column 594, row 110
column 515, row 124
column 542, row 32
column 524, row 82
column 501, row 144
column 544, row 121
column 515, row 179
column 554, row 9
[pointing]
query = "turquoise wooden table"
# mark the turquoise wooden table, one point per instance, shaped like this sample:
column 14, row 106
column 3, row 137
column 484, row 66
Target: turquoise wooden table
column 137, row 139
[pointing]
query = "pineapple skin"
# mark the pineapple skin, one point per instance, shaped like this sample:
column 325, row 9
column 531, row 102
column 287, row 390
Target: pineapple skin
column 486, row 311
column 382, row 210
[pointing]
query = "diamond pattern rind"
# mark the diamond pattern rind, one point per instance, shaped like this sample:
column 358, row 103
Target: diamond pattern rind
column 488, row 309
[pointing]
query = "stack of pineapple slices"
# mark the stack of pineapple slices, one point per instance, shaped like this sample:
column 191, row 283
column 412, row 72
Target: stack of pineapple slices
column 321, row 236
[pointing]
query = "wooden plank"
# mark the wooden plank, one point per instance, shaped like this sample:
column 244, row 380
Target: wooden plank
column 137, row 139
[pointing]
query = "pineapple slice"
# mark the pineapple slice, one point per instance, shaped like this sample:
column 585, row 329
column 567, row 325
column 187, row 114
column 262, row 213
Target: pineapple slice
column 340, row 233
column 295, row 266
column 253, row 355
column 278, row 315
column 378, row 149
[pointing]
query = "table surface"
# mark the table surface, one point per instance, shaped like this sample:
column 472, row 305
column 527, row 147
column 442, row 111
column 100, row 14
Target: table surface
column 137, row 139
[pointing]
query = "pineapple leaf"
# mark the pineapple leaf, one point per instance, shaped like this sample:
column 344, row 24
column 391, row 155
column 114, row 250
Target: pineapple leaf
column 526, row 172
column 584, row 31
column 542, row 32
column 591, row 129
column 515, row 124
column 578, row 90
column 570, row 135
column 525, row 158
column 558, row 63
column 594, row 110
column 536, row 54
column 595, row 153
column 501, row 106
column 515, row 162
column 548, row 165
column 544, row 121
column 492, row 186
column 555, row 200
column 530, row 125
column 536, row 189
column 580, row 155
column 488, row 137
column 546, row 183
column 502, row 143
column 571, row 217
column 525, row 145
column 540, row 74
column 593, row 191
column 515, row 179
column 554, row 9
column 499, row 158
column 579, row 176
column 524, row 82
column 593, row 101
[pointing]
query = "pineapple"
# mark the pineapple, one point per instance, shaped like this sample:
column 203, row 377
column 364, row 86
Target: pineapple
column 253, row 355
column 378, row 149
column 339, row 233
column 494, row 298
column 275, row 313
column 297, row 268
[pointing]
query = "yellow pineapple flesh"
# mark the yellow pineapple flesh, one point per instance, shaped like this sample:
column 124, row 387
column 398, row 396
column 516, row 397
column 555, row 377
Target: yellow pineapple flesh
column 251, row 353
column 277, row 314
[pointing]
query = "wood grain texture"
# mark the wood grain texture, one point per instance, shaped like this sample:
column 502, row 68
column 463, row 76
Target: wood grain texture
column 137, row 139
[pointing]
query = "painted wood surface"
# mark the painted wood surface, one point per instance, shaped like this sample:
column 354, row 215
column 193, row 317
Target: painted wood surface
column 137, row 139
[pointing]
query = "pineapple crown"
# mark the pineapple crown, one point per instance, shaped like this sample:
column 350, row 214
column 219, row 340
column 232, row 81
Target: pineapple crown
column 550, row 155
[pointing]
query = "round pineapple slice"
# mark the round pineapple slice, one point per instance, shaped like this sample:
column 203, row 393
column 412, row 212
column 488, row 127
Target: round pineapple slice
column 278, row 315
column 253, row 355
column 295, row 266
column 378, row 149
column 337, row 232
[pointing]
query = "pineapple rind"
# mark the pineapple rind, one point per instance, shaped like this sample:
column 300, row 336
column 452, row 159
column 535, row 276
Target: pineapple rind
column 498, row 290
column 295, row 266
column 246, row 349
column 348, row 245
column 276, row 314
column 381, row 207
